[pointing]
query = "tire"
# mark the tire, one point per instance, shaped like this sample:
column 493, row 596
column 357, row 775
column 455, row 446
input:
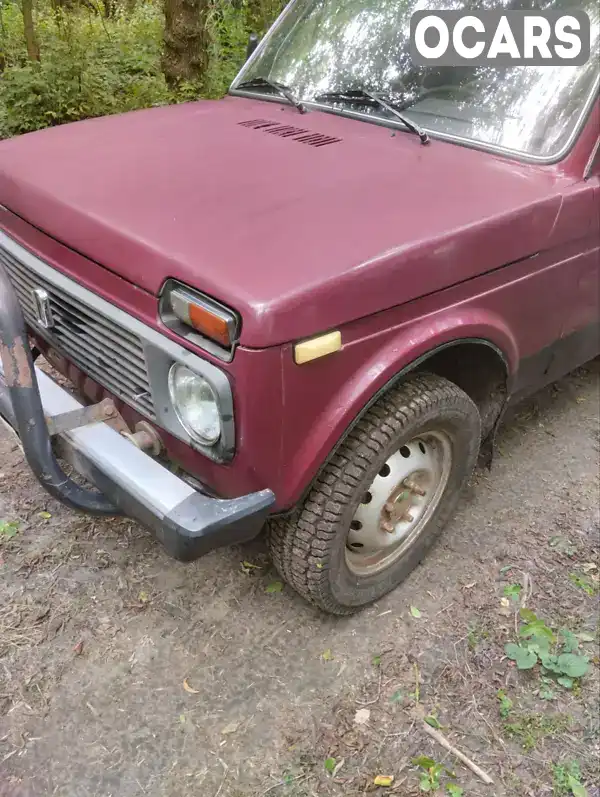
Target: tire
column 315, row 549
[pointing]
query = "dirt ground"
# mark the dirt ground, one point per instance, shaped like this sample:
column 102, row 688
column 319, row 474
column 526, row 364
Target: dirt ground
column 124, row 673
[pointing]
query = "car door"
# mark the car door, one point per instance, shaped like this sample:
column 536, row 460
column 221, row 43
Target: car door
column 579, row 224
column 582, row 321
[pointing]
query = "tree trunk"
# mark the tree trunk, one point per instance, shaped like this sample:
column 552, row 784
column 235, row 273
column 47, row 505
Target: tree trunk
column 186, row 40
column 33, row 48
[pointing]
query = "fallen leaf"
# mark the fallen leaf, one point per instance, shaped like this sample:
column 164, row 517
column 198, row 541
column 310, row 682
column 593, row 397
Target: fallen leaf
column 580, row 399
column 433, row 722
column 231, row 728
column 327, row 655
column 383, row 780
column 415, row 612
column 338, row 766
column 78, row 648
column 143, row 597
column 505, row 607
column 248, row 567
column 274, row 586
column 45, row 515
column 189, row 689
column 362, row 716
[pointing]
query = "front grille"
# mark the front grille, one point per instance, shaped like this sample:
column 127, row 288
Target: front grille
column 100, row 347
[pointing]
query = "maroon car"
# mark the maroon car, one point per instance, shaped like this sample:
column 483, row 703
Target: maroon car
column 307, row 304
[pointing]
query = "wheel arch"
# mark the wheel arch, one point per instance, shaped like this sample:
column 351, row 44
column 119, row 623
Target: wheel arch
column 489, row 347
column 489, row 389
column 479, row 368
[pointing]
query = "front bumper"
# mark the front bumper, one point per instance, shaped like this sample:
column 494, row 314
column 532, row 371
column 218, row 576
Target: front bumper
column 187, row 522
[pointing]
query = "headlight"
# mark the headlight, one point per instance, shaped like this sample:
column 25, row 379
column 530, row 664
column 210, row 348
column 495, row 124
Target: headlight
column 195, row 403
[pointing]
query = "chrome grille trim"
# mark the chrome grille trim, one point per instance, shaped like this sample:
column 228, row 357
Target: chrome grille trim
column 126, row 354
column 107, row 352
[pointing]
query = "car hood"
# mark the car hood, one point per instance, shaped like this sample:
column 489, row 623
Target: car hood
column 299, row 222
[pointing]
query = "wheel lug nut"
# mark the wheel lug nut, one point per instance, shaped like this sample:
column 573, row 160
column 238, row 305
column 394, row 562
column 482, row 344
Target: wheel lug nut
column 407, row 517
column 389, row 527
column 390, row 507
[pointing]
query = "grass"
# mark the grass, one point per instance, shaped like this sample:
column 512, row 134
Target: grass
column 531, row 728
column 566, row 779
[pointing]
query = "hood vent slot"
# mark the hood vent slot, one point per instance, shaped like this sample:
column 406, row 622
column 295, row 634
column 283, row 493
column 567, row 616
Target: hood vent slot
column 288, row 131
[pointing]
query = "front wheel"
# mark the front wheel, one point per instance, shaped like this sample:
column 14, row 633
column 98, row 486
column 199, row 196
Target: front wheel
column 384, row 497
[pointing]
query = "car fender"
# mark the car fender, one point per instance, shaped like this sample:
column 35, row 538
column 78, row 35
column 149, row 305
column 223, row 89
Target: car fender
column 378, row 362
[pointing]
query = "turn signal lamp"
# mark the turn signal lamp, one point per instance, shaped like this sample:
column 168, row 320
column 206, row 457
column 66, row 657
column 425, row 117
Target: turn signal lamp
column 183, row 306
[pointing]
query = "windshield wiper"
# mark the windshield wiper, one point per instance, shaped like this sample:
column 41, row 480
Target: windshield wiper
column 361, row 96
column 280, row 88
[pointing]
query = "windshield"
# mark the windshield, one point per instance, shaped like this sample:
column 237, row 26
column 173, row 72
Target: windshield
column 326, row 46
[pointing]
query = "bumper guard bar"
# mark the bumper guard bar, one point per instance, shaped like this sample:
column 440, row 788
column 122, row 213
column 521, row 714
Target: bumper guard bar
column 187, row 522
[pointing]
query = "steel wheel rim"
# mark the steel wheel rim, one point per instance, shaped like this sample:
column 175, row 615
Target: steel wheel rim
column 399, row 503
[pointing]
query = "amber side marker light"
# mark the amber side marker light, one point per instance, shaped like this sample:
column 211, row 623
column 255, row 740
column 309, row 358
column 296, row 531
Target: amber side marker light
column 206, row 316
column 317, row 347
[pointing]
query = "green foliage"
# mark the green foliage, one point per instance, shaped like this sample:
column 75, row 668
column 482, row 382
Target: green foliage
column 512, row 591
column 8, row 530
column 566, row 779
column 583, row 582
column 546, row 692
column 329, row 764
column 506, row 703
column 93, row 66
column 89, row 67
column 557, row 655
column 476, row 634
column 431, row 774
column 529, row 729
column 524, row 658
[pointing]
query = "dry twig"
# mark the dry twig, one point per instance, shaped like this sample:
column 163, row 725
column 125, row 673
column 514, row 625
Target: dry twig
column 443, row 742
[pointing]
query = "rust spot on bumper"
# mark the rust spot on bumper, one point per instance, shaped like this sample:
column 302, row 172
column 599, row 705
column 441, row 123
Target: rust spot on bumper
column 16, row 365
